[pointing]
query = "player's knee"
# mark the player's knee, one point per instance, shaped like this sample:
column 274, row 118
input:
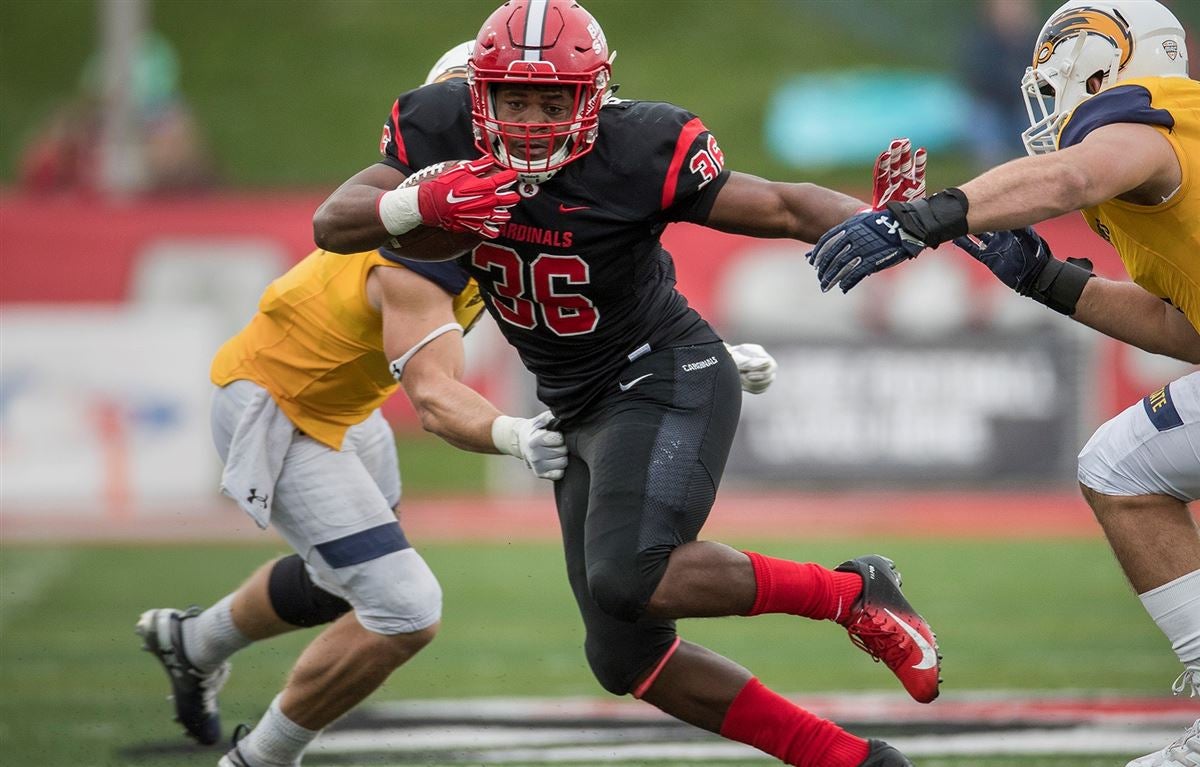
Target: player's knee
column 613, row 670
column 618, row 588
column 390, row 651
column 299, row 601
column 398, row 594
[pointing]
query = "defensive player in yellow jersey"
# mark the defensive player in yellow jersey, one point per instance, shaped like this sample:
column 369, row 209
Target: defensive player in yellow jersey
column 1115, row 134
column 296, row 420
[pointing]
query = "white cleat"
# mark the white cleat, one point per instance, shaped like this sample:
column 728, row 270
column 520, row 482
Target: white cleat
column 1184, row 751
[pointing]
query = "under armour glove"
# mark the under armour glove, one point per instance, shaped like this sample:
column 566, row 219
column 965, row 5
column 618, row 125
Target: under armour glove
column 863, row 244
column 756, row 368
column 1022, row 260
column 543, row 450
column 899, row 174
column 462, row 199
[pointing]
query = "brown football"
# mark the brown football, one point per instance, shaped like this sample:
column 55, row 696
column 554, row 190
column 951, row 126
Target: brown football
column 431, row 243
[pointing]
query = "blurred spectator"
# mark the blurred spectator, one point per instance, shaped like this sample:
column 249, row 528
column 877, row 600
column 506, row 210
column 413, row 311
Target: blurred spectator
column 996, row 52
column 64, row 155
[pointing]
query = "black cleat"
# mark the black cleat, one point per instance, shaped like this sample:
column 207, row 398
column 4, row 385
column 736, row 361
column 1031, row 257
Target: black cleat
column 883, row 755
column 194, row 691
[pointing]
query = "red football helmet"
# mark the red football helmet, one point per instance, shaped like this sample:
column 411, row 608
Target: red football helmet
column 538, row 42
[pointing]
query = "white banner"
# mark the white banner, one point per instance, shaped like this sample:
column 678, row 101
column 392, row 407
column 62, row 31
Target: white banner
column 104, row 410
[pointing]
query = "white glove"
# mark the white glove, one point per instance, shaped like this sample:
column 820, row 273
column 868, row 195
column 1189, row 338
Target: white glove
column 755, row 367
column 541, row 449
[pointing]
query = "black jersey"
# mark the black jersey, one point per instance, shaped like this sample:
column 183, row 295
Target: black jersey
column 578, row 280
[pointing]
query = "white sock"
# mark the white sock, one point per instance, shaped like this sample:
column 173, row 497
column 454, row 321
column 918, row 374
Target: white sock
column 276, row 741
column 1175, row 607
column 211, row 637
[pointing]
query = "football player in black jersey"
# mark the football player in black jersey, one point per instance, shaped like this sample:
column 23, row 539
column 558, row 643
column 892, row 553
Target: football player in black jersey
column 644, row 391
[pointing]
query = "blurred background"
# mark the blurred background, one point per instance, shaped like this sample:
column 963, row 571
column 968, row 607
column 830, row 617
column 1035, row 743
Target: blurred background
column 160, row 161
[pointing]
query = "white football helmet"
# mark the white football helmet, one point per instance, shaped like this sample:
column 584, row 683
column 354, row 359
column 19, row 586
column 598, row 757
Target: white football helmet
column 1117, row 39
column 453, row 63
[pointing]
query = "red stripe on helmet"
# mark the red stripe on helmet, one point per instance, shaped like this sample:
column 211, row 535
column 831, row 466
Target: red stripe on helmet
column 686, row 136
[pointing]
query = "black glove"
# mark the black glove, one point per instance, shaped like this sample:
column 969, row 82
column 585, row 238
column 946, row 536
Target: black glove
column 1022, row 260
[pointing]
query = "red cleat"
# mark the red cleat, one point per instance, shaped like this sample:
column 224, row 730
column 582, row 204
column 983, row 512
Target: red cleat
column 885, row 626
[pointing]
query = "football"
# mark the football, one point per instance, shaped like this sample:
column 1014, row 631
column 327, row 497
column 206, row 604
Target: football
column 429, row 243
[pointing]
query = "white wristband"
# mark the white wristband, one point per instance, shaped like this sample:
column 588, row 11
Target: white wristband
column 399, row 211
column 504, row 435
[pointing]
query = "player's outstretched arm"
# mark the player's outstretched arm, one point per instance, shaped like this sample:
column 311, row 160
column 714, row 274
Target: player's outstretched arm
column 1122, row 160
column 424, row 341
column 1022, row 260
column 760, row 208
column 1112, row 161
column 1129, row 313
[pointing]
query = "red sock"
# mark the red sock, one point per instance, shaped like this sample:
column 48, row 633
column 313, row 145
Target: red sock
column 774, row 724
column 802, row 589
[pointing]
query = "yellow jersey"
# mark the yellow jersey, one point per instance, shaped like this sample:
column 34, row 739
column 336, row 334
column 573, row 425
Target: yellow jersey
column 316, row 342
column 1158, row 244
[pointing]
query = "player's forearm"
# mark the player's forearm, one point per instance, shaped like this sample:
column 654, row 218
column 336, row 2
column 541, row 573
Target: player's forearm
column 816, row 209
column 1023, row 192
column 455, row 412
column 348, row 221
column 1126, row 312
column 759, row 208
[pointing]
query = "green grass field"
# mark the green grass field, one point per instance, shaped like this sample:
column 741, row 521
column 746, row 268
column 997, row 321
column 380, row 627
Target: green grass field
column 1051, row 615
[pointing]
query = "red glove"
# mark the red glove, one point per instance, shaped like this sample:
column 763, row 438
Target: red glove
column 466, row 199
column 899, row 174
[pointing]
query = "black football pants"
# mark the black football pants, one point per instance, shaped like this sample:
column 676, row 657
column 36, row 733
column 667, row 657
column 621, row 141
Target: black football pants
column 644, row 467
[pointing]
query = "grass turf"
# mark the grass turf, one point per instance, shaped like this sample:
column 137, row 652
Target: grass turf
column 1043, row 615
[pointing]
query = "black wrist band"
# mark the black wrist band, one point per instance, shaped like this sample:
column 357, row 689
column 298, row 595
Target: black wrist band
column 1060, row 284
column 936, row 219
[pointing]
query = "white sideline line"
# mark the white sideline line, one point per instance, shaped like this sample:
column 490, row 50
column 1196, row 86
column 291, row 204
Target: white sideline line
column 479, row 745
column 609, row 730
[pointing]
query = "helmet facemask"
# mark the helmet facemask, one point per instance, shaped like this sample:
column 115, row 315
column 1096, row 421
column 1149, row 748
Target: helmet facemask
column 1054, row 88
column 536, row 150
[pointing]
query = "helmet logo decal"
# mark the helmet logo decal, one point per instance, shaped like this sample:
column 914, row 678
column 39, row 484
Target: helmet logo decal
column 1088, row 21
column 597, row 34
column 1171, row 48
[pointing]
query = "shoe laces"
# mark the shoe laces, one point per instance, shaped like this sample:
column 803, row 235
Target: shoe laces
column 1185, row 743
column 1189, row 678
column 240, row 732
column 871, row 634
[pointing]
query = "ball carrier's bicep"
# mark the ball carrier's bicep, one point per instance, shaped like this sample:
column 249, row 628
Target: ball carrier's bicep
column 348, row 221
column 760, row 208
column 419, row 329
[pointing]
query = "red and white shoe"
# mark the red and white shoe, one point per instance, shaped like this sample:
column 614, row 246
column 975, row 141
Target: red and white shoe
column 885, row 626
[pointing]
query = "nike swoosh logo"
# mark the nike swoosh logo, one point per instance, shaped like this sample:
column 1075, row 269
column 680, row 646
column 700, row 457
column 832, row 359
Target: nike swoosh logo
column 928, row 654
column 454, row 199
column 570, row 208
column 631, row 384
